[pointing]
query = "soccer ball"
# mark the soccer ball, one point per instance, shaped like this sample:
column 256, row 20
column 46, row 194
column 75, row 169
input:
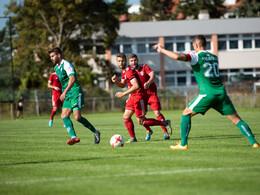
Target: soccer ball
column 117, row 141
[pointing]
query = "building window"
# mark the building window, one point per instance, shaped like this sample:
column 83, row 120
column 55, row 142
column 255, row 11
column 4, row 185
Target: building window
column 115, row 49
column 181, row 80
column 180, row 46
column 208, row 46
column 141, row 48
column 169, row 80
column 257, row 43
column 247, row 44
column 233, row 44
column 127, row 48
column 222, row 45
column 193, row 80
column 169, row 46
column 151, row 49
column 191, row 46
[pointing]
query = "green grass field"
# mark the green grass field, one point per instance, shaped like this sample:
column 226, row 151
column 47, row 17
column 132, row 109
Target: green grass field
column 35, row 159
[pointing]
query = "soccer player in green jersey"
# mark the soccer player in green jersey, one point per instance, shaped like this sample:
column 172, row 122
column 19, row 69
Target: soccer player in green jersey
column 212, row 91
column 72, row 95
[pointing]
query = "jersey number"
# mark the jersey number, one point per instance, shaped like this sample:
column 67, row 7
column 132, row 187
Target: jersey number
column 211, row 69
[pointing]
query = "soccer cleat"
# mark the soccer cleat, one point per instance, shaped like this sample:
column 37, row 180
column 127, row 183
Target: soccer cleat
column 73, row 141
column 166, row 136
column 148, row 136
column 97, row 137
column 168, row 126
column 256, row 145
column 50, row 123
column 132, row 139
column 179, row 147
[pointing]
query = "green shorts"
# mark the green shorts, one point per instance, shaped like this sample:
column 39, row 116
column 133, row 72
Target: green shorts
column 221, row 103
column 75, row 102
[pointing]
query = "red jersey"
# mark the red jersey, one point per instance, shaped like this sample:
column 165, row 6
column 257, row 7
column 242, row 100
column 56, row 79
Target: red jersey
column 54, row 79
column 144, row 70
column 127, row 75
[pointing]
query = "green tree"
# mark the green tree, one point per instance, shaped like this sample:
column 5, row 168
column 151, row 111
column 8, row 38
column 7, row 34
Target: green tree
column 69, row 24
column 153, row 10
column 249, row 8
column 192, row 8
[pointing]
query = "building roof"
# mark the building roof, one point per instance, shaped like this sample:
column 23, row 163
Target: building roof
column 189, row 27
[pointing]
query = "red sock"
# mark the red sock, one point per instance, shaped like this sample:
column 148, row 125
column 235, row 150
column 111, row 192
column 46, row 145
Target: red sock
column 130, row 126
column 52, row 114
column 152, row 122
column 161, row 118
column 147, row 128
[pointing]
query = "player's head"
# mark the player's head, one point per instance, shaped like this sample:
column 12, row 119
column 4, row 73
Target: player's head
column 121, row 60
column 55, row 55
column 133, row 61
column 199, row 43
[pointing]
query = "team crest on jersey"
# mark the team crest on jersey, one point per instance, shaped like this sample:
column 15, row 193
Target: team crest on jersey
column 142, row 73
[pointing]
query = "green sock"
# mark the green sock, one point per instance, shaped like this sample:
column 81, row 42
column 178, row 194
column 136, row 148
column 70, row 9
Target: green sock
column 185, row 129
column 87, row 124
column 69, row 126
column 246, row 131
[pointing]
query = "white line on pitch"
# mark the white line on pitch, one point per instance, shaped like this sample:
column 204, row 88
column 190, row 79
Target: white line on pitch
column 128, row 175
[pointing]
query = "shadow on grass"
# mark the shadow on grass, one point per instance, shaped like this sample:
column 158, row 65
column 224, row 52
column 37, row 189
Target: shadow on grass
column 220, row 136
column 60, row 161
column 238, row 136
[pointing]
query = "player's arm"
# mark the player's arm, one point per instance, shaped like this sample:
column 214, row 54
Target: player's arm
column 121, row 84
column 71, row 82
column 171, row 54
column 52, row 87
column 150, row 81
column 135, row 86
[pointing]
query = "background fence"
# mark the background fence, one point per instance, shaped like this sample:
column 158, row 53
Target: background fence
column 38, row 102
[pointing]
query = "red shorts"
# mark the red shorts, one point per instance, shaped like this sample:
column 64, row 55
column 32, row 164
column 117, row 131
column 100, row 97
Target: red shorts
column 138, row 105
column 56, row 102
column 154, row 102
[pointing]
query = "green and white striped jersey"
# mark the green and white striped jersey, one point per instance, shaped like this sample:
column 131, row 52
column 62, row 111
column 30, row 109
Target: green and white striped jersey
column 205, row 69
column 64, row 71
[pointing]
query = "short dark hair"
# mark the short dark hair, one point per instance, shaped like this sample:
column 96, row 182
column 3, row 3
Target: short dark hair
column 121, row 55
column 132, row 56
column 200, row 40
column 56, row 50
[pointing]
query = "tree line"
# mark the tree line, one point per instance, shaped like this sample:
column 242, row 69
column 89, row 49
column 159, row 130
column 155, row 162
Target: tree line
column 82, row 27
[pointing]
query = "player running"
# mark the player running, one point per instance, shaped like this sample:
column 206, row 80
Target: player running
column 212, row 91
column 137, row 102
column 147, row 77
column 55, row 85
column 72, row 95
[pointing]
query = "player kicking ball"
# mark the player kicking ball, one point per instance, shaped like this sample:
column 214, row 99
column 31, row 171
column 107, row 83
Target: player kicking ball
column 55, row 85
column 212, row 91
column 147, row 77
column 72, row 95
column 138, row 99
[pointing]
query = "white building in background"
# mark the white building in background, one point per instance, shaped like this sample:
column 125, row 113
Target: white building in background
column 134, row 9
column 236, row 42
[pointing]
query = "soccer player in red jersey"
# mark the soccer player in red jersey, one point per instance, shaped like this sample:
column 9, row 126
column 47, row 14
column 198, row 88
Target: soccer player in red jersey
column 55, row 85
column 147, row 77
column 137, row 102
